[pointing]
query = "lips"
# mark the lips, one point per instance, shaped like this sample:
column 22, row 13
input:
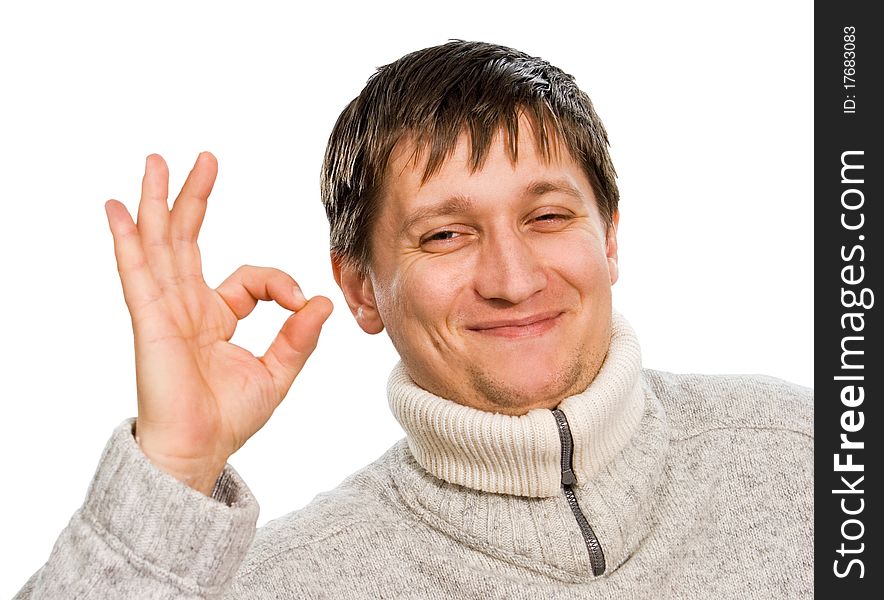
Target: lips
column 521, row 327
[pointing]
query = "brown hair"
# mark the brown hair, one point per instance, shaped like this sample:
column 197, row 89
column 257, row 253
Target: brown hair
column 435, row 94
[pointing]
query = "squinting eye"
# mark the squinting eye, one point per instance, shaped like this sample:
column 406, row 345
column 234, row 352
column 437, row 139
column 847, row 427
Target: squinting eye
column 440, row 236
column 551, row 217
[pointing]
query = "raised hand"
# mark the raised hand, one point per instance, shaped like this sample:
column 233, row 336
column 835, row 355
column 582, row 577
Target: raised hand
column 199, row 396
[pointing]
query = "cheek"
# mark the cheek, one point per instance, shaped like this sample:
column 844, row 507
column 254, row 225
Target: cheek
column 581, row 260
column 434, row 282
column 426, row 293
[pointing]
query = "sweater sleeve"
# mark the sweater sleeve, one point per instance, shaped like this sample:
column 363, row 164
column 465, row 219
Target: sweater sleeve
column 143, row 534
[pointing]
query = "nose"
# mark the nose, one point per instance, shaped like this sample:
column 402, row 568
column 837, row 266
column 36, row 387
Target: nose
column 509, row 268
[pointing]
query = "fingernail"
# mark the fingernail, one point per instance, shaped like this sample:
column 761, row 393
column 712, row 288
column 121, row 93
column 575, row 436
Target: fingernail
column 299, row 295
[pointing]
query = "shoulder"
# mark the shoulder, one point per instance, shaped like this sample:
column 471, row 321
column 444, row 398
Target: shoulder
column 696, row 403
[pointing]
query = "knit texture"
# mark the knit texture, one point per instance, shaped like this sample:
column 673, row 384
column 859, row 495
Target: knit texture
column 705, row 493
column 521, row 455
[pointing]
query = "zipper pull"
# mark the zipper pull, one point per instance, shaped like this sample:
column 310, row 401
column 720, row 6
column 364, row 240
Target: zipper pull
column 568, row 476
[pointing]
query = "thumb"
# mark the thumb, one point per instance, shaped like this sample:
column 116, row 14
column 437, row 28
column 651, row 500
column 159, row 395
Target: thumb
column 295, row 342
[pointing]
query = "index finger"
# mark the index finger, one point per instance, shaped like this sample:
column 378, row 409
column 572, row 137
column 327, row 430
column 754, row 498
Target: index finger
column 248, row 284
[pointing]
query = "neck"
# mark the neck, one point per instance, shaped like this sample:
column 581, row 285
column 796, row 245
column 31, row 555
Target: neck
column 521, row 455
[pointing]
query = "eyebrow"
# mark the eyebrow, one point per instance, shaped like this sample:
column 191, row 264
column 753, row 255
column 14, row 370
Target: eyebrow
column 460, row 204
column 457, row 204
column 544, row 186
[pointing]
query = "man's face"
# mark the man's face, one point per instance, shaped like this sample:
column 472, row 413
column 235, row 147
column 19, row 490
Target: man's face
column 494, row 286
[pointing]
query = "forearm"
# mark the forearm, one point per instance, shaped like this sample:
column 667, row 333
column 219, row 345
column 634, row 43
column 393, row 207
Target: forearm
column 142, row 534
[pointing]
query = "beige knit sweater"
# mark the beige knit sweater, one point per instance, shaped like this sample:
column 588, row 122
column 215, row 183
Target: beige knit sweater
column 693, row 487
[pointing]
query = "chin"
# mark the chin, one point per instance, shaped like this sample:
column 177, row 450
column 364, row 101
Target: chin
column 516, row 388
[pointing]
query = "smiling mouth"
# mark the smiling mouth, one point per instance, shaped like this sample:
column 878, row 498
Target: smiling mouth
column 517, row 328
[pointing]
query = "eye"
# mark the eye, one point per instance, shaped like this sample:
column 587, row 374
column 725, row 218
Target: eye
column 440, row 236
column 552, row 219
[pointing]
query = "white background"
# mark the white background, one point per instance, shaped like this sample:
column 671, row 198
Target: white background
column 708, row 107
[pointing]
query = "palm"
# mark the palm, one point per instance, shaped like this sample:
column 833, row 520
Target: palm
column 199, row 396
column 182, row 352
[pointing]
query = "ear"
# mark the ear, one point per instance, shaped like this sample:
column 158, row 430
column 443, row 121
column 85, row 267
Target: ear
column 359, row 294
column 611, row 247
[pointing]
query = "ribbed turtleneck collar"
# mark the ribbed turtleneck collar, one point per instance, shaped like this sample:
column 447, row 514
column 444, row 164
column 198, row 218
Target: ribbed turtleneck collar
column 521, row 455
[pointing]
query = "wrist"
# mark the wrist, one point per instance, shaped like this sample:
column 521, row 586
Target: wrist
column 198, row 473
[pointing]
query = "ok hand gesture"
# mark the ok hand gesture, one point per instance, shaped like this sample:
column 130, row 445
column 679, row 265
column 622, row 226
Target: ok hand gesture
column 199, row 396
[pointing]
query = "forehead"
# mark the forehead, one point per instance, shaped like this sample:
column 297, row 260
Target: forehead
column 524, row 153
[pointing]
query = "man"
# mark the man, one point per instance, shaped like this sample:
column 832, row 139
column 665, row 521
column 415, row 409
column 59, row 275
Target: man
column 473, row 213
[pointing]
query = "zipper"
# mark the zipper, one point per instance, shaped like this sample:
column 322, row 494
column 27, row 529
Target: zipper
column 569, row 479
